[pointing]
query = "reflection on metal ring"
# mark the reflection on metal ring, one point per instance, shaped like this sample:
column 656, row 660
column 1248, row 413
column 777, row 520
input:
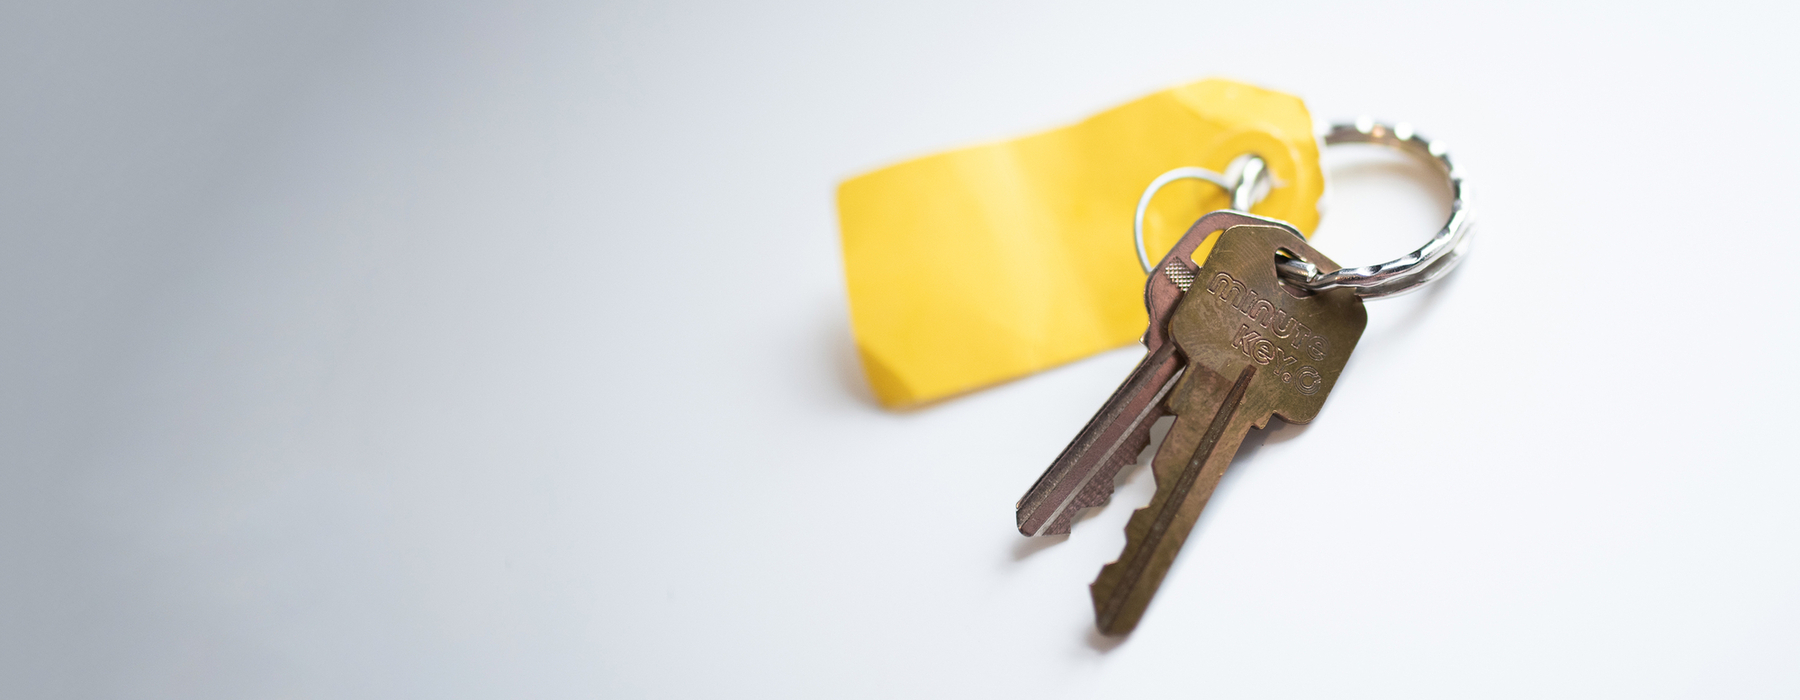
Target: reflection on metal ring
column 1416, row 269
column 1247, row 181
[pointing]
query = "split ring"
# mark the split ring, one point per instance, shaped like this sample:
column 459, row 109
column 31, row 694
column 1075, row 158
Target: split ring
column 1247, row 179
column 1430, row 262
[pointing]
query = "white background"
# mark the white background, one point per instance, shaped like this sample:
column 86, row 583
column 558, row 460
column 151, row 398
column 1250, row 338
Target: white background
column 382, row 350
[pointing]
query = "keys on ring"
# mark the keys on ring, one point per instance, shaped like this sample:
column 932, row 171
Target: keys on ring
column 1262, row 329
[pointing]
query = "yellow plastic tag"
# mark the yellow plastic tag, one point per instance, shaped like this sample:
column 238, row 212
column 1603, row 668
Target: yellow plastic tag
column 984, row 264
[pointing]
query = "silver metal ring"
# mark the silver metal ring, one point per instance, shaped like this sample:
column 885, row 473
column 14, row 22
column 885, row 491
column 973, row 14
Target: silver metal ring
column 1421, row 267
column 1247, row 179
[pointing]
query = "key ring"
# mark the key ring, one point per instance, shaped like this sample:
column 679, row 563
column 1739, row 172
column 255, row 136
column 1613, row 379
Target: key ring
column 1246, row 178
column 1430, row 262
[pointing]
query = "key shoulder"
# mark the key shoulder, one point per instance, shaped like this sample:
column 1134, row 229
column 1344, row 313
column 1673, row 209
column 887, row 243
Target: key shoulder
column 1238, row 313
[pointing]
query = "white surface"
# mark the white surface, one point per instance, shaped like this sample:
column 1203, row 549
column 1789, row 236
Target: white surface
column 426, row 351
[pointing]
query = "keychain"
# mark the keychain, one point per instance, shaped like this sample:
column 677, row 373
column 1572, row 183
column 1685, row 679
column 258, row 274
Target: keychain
column 1247, row 322
column 980, row 265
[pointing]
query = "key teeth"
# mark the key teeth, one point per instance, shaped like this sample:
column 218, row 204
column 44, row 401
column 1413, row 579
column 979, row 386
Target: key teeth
column 1090, row 497
column 1123, row 621
column 1065, row 523
column 1135, row 513
column 1099, row 492
column 1143, row 394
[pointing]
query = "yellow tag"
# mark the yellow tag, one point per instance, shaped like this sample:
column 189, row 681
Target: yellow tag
column 984, row 264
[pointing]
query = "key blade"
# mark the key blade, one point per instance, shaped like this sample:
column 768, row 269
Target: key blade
column 1285, row 350
column 1082, row 476
column 1188, row 466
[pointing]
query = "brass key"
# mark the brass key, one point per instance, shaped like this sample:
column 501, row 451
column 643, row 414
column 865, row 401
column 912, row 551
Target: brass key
column 1255, row 348
column 1082, row 476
